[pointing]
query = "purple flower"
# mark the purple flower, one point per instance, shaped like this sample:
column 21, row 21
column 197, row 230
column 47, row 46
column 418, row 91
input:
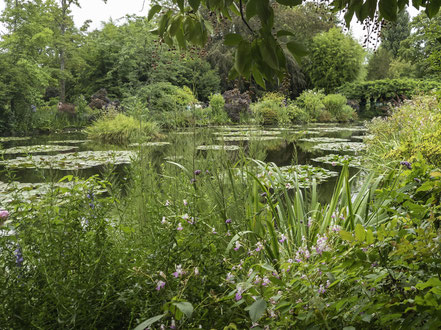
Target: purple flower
column 238, row 245
column 259, row 246
column 282, row 238
column 18, row 256
column 160, row 285
column 407, row 164
column 265, row 281
column 185, row 202
column 228, row 221
column 178, row 271
column 197, row 172
column 179, row 227
column 239, row 294
column 193, row 181
column 321, row 289
column 213, row 230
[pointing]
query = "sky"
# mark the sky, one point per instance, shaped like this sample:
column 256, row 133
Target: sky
column 98, row 11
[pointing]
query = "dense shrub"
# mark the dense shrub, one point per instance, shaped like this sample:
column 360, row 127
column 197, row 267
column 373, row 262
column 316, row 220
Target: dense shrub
column 413, row 128
column 237, row 104
column 271, row 110
column 374, row 95
column 312, row 102
column 121, row 129
column 336, row 105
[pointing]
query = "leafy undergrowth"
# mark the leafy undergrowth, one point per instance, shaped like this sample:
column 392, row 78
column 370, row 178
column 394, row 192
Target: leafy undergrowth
column 202, row 244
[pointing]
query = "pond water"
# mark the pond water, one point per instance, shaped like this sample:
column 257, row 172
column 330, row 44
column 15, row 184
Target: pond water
column 50, row 157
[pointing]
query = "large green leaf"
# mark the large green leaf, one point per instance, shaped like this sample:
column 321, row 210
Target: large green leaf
column 432, row 8
column 257, row 309
column 388, row 9
column 194, row 4
column 242, row 59
column 297, row 50
column 153, row 11
column 232, row 39
column 251, row 9
column 289, row 2
column 185, row 307
column 149, row 322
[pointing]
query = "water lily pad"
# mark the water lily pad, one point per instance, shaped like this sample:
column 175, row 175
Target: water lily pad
column 286, row 176
column 339, row 129
column 323, row 140
column 248, row 138
column 68, row 142
column 35, row 149
column 362, row 137
column 341, row 146
column 150, row 144
column 248, row 133
column 218, row 147
column 339, row 160
column 30, row 192
column 13, row 138
column 71, row 161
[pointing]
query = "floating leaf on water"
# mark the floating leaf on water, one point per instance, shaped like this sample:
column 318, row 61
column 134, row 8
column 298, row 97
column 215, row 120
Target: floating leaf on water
column 68, row 142
column 13, row 138
column 248, row 138
column 323, row 140
column 248, row 133
column 71, row 161
column 37, row 149
column 339, row 160
column 150, row 144
column 339, row 129
column 341, row 146
column 305, row 175
column 218, row 147
column 362, row 137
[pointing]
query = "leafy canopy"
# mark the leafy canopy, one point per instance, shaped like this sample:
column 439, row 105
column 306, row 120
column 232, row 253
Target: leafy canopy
column 261, row 55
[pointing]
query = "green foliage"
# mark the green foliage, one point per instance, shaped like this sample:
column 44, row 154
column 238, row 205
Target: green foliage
column 412, row 129
column 312, row 102
column 121, row 129
column 394, row 32
column 379, row 64
column 337, row 106
column 334, row 59
column 271, row 110
column 259, row 55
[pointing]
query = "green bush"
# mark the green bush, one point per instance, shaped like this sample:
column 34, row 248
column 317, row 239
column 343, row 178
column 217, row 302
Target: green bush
column 297, row 114
column 413, row 128
column 336, row 105
column 217, row 104
column 121, row 129
column 312, row 102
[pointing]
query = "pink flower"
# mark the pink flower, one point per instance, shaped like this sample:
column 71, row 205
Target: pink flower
column 179, row 227
column 238, row 245
column 4, row 214
column 178, row 271
column 282, row 238
column 265, row 281
column 185, row 202
column 160, row 285
column 259, row 246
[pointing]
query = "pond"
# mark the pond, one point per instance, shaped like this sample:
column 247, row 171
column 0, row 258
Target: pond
column 320, row 149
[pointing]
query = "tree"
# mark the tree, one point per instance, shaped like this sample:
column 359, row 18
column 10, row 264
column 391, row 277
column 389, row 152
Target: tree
column 395, row 32
column 379, row 63
column 260, row 55
column 334, row 59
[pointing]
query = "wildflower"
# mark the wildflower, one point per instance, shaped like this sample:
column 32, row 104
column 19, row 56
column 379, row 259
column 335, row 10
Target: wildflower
column 228, row 221
column 18, row 257
column 282, row 238
column 264, row 194
column 4, row 215
column 197, row 172
column 321, row 244
column 238, row 294
column 407, row 164
column 328, row 284
column 173, row 324
column 213, row 230
column 196, row 271
column 185, row 202
column 250, row 272
column 276, row 275
column 230, row 278
column 265, row 281
column 161, row 273
column 288, row 186
column 309, row 222
column 257, row 279
column 335, row 228
column 179, row 227
column 160, row 285
column 321, row 289
column 178, row 271
column 228, row 233
column 333, row 163
column 259, row 246
column 185, row 216
column 207, row 172
column 191, row 221
column 167, row 202
column 417, row 180
column 193, row 180
column 238, row 245
column 164, row 221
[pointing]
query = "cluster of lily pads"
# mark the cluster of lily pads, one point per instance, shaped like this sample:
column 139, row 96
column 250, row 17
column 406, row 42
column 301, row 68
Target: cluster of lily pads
column 218, row 147
column 34, row 149
column 71, row 161
column 323, row 140
column 31, row 192
column 291, row 176
column 13, row 138
column 68, row 142
column 150, row 144
column 341, row 146
column 339, row 160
